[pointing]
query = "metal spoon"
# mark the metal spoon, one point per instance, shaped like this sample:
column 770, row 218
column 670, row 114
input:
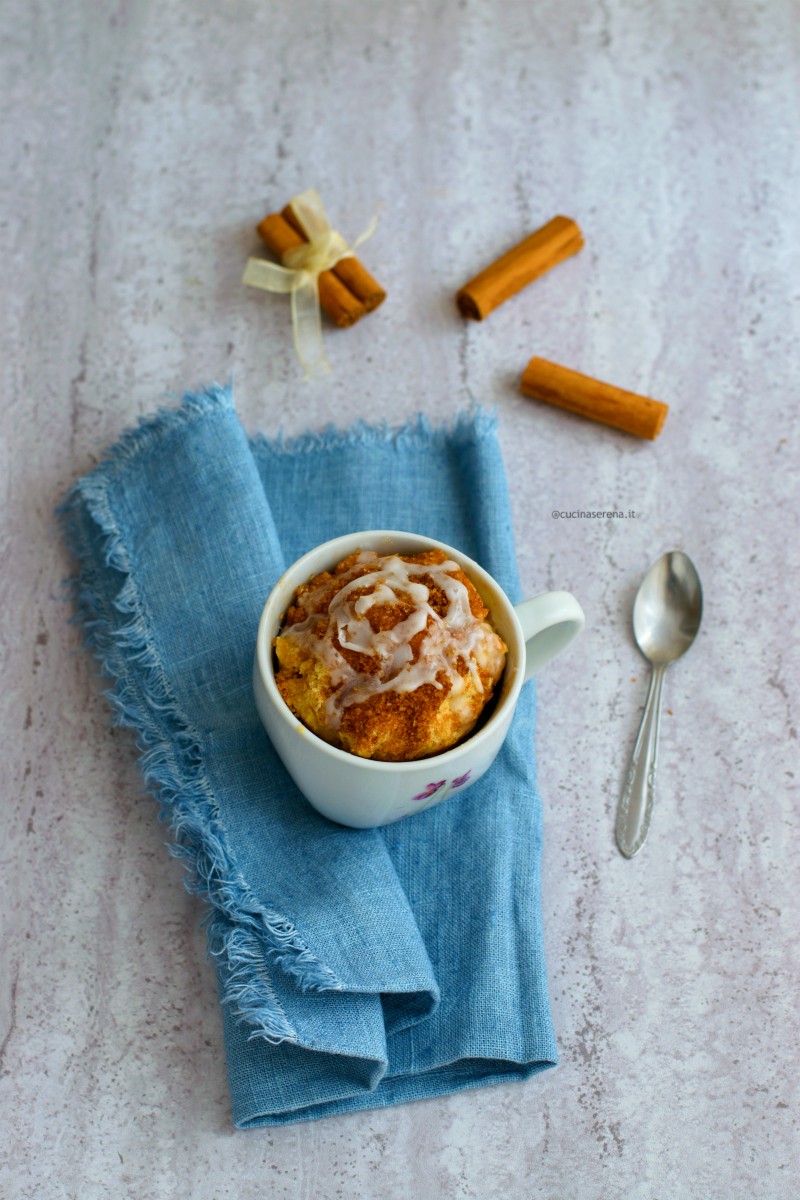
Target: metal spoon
column 666, row 618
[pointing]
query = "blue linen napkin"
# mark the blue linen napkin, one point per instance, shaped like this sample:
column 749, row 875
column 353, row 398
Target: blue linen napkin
column 356, row 969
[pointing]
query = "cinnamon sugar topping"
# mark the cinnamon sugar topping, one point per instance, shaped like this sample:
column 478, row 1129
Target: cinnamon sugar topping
column 387, row 624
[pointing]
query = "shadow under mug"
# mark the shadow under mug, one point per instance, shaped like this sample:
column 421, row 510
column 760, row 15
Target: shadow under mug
column 362, row 792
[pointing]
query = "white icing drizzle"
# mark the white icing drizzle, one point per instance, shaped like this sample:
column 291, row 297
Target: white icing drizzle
column 456, row 635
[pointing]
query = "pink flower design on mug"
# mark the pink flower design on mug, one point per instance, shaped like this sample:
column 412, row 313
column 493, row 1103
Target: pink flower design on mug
column 429, row 790
column 460, row 780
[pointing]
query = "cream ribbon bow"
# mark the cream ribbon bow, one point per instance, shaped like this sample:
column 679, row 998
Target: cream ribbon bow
column 300, row 273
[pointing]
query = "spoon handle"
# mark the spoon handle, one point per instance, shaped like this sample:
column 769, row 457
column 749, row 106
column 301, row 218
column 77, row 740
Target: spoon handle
column 636, row 803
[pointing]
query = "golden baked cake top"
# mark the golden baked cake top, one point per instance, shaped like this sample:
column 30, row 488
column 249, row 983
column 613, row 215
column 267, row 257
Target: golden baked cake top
column 389, row 657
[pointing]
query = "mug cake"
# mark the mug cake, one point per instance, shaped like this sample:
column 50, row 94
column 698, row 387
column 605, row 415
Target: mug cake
column 389, row 657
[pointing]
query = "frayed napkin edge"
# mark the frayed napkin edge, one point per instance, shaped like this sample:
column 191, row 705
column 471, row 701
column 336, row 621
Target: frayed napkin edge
column 465, row 426
column 238, row 925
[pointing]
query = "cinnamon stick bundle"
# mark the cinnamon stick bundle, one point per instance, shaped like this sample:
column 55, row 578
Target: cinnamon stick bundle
column 589, row 397
column 352, row 273
column 335, row 297
column 519, row 266
column 347, row 292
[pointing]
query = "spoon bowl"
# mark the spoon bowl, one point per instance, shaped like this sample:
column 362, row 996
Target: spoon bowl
column 666, row 617
column 668, row 608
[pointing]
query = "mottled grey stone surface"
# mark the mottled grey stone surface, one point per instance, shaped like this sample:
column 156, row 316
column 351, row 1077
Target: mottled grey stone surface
column 140, row 143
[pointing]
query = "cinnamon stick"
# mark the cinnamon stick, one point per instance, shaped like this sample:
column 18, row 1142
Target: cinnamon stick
column 589, row 397
column 353, row 274
column 338, row 301
column 519, row 266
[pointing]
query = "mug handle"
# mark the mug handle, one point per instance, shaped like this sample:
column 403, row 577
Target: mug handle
column 549, row 623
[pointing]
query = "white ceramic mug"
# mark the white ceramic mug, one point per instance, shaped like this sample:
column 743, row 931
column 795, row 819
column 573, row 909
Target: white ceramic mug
column 362, row 792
